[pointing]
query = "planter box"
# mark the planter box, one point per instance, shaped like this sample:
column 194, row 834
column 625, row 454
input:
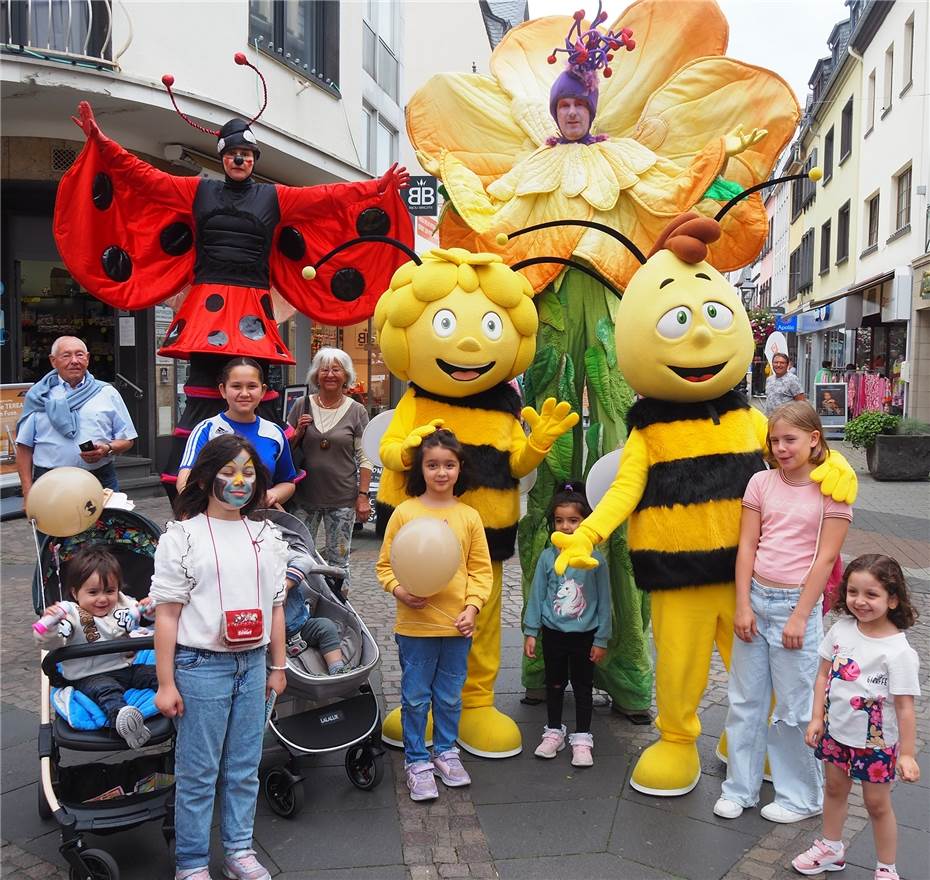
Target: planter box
column 899, row 457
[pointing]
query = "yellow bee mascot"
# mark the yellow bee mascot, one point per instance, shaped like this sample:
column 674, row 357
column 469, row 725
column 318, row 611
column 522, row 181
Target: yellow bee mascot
column 683, row 342
column 458, row 327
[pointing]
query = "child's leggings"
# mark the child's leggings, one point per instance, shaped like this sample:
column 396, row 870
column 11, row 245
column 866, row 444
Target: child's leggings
column 567, row 657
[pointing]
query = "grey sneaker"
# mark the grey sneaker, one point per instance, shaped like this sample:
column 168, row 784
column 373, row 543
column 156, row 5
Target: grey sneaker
column 420, row 781
column 243, row 865
column 193, row 874
column 448, row 767
column 130, row 725
column 553, row 741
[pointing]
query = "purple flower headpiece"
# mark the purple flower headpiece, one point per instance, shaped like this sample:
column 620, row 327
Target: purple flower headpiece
column 588, row 52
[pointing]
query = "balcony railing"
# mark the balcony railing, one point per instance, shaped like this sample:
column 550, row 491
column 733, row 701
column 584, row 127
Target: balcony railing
column 75, row 31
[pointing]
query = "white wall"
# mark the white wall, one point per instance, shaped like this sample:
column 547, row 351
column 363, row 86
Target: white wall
column 896, row 140
column 781, row 244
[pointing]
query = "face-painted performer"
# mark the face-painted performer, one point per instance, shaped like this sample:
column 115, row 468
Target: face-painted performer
column 235, row 483
column 683, row 342
column 458, row 327
column 136, row 236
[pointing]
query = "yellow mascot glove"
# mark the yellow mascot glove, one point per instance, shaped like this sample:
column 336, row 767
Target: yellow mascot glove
column 550, row 423
column 837, row 479
column 576, row 549
column 415, row 438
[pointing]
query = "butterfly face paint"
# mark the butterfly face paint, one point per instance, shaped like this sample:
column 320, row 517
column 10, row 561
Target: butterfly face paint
column 235, row 483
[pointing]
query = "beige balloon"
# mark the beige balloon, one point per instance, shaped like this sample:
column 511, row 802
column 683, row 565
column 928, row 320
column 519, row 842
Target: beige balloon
column 65, row 501
column 425, row 556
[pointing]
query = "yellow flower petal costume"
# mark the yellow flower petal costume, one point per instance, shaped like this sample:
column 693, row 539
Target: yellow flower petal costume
column 665, row 112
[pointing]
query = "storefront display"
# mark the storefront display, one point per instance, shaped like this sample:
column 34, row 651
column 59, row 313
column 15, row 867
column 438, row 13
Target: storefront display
column 372, row 383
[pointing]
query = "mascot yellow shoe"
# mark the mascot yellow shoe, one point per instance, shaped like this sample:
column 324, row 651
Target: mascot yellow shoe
column 667, row 769
column 392, row 733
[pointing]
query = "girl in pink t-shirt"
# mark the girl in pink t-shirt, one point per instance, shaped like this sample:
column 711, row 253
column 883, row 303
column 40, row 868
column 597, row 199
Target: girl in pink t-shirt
column 790, row 536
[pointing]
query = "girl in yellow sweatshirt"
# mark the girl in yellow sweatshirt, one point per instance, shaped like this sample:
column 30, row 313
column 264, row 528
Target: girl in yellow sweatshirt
column 434, row 635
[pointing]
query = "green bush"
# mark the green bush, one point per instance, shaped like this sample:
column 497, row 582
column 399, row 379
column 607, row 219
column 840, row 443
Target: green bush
column 913, row 426
column 864, row 428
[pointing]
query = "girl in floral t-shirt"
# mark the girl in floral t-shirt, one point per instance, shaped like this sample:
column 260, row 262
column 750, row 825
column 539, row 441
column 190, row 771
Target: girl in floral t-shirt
column 862, row 723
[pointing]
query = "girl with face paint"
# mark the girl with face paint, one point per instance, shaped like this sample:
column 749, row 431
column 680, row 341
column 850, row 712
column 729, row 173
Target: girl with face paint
column 214, row 566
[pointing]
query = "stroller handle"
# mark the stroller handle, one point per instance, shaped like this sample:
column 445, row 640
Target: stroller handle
column 76, row 652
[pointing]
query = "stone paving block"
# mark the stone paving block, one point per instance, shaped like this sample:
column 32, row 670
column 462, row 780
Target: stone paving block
column 592, row 866
column 382, row 872
column 545, row 828
column 453, row 870
column 676, row 844
column 912, row 860
column 18, row 726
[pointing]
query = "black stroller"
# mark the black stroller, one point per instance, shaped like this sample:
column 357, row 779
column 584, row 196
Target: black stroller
column 72, row 794
column 321, row 713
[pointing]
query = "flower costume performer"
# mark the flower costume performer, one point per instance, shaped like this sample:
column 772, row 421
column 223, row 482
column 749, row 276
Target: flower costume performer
column 135, row 236
column 458, row 327
column 684, row 341
column 662, row 125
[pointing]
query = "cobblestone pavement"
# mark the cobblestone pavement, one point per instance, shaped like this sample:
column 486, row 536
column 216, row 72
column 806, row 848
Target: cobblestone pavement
column 461, row 836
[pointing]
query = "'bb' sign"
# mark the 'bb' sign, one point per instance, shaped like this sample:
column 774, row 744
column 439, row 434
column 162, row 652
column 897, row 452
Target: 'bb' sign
column 422, row 196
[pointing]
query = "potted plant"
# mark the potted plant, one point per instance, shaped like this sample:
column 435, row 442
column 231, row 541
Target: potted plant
column 896, row 448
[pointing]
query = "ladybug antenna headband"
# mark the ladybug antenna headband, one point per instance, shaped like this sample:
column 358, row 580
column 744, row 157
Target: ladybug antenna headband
column 592, row 50
column 239, row 58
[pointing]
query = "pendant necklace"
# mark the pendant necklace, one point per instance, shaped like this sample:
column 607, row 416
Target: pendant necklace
column 321, row 429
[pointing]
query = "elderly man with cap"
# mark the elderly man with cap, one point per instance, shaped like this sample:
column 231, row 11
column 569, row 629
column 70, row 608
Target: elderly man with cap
column 71, row 419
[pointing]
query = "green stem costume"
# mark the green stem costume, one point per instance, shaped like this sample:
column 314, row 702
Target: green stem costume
column 576, row 350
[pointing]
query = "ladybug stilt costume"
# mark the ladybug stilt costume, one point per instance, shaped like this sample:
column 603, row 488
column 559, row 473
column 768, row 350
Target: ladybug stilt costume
column 135, row 236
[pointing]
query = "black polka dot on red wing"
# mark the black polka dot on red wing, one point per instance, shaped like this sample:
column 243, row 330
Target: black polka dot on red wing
column 175, row 331
column 116, row 263
column 102, row 191
column 279, row 349
column 214, row 302
column 218, row 338
column 251, row 327
column 291, row 243
column 373, row 221
column 267, row 306
column 176, row 239
column 348, row 284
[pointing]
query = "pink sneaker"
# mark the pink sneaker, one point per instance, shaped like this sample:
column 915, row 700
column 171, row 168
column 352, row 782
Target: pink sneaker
column 448, row 767
column 553, row 741
column 886, row 874
column 820, row 858
column 421, row 782
column 582, row 749
column 243, row 865
column 192, row 874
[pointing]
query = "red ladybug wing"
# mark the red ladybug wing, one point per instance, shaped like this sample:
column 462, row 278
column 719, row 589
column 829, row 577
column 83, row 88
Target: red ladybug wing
column 124, row 229
column 314, row 220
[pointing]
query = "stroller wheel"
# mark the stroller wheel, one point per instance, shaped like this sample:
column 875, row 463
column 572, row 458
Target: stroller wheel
column 98, row 865
column 284, row 792
column 363, row 767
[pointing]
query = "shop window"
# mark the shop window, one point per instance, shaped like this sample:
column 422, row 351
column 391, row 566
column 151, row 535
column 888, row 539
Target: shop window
column 903, row 200
column 828, row 157
column 825, row 248
column 871, row 210
column 302, row 34
column 846, row 131
column 842, row 234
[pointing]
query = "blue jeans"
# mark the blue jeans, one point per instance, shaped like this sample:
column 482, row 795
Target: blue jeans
column 757, row 669
column 105, row 474
column 219, row 736
column 432, row 668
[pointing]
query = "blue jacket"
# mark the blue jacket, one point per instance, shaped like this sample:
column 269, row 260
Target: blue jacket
column 578, row 601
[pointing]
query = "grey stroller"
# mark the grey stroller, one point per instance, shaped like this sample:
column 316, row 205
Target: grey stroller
column 319, row 712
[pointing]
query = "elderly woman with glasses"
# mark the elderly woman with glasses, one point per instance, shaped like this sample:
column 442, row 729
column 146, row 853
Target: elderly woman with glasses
column 328, row 427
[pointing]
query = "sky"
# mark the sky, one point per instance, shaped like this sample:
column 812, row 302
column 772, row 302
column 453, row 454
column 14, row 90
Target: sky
column 787, row 36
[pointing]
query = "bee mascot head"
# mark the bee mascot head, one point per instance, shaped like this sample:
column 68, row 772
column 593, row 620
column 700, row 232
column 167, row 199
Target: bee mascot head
column 458, row 324
column 682, row 332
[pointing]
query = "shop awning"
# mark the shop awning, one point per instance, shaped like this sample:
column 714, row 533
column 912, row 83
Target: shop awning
column 858, row 287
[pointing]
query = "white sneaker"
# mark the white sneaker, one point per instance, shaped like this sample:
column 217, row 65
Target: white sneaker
column 130, row 725
column 777, row 813
column 727, row 809
column 553, row 741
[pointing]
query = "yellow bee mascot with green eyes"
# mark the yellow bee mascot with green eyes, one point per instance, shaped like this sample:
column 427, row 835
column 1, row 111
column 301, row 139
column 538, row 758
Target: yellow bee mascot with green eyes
column 457, row 328
column 683, row 343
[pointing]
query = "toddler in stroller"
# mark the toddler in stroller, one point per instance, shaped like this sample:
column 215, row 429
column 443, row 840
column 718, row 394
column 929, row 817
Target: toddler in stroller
column 99, row 611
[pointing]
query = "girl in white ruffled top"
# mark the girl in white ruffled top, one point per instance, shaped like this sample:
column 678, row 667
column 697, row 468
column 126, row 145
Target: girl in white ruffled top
column 219, row 645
